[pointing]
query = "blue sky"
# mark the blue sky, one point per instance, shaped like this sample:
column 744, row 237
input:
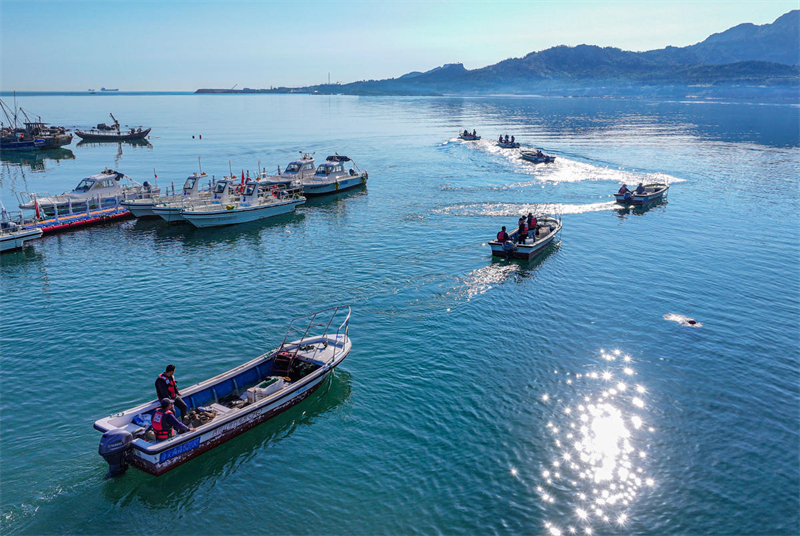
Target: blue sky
column 181, row 45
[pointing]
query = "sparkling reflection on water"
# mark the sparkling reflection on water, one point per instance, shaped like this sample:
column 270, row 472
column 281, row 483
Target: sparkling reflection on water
column 599, row 433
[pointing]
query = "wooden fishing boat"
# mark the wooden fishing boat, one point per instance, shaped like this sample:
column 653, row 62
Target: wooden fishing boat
column 113, row 132
column 237, row 400
column 547, row 228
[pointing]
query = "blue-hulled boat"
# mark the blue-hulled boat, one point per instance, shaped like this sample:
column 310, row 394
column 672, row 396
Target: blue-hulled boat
column 651, row 192
column 237, row 400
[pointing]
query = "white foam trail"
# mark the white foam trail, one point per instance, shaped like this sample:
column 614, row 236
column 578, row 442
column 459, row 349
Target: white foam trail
column 516, row 209
column 682, row 320
column 563, row 169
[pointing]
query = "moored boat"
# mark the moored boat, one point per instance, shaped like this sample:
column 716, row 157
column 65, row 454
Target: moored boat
column 144, row 208
column 222, row 193
column 538, row 157
column 256, row 203
column 293, row 175
column 95, row 191
column 237, row 400
column 13, row 235
column 113, row 132
column 547, row 228
column 331, row 177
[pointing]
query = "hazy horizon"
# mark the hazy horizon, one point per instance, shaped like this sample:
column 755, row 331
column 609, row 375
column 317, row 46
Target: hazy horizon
column 183, row 46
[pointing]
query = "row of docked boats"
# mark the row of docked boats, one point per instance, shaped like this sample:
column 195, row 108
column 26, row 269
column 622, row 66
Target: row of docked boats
column 228, row 201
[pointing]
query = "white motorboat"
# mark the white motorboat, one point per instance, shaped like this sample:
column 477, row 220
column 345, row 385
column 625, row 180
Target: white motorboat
column 234, row 401
column 256, row 203
column 14, row 234
column 652, row 192
column 143, row 208
column 538, row 157
column 223, row 192
column 293, row 175
column 466, row 136
column 547, row 228
column 332, row 177
column 96, row 191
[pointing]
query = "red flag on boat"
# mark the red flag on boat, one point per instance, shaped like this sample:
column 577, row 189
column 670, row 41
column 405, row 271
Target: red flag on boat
column 36, row 207
column 154, row 173
column 242, row 176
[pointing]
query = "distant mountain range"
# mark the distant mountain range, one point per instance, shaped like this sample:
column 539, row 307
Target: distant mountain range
column 746, row 57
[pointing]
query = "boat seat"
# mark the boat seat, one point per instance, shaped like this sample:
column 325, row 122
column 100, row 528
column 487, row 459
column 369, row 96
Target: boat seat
column 220, row 409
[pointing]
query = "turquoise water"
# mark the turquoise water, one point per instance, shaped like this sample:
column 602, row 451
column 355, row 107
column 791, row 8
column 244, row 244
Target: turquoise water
column 482, row 396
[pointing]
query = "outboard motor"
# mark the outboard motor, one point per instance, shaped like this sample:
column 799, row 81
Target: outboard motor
column 113, row 446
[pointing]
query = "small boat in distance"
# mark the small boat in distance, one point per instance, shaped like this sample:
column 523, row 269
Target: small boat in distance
column 466, row 136
column 105, row 132
column 538, row 157
column 106, row 89
column 237, row 400
column 507, row 143
column 547, row 228
column 331, row 177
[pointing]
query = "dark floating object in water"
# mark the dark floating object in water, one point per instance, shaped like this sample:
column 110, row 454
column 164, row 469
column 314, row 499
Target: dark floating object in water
column 683, row 320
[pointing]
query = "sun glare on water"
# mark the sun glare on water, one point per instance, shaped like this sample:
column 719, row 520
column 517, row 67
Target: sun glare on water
column 599, row 436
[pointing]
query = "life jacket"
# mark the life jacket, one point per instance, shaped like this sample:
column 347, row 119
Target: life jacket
column 501, row 236
column 171, row 385
column 162, row 430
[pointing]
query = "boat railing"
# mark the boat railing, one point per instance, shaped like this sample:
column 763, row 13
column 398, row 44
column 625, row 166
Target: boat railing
column 306, row 325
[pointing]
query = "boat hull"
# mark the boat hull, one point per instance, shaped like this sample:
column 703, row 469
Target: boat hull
column 170, row 214
column 508, row 145
column 142, row 208
column 158, row 464
column 539, row 159
column 220, row 217
column 91, row 136
column 647, row 198
column 469, row 138
column 623, row 199
column 312, row 190
column 16, row 240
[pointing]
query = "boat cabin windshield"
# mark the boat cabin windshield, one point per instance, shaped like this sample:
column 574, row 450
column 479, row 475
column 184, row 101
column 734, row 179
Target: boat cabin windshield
column 85, row 185
column 220, row 187
column 249, row 189
column 327, row 169
column 294, row 167
column 189, row 184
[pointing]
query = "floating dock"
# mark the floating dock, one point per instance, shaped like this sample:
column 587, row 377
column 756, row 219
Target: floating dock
column 80, row 219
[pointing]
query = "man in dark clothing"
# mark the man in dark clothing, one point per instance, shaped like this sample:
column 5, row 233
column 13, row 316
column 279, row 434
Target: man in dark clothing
column 164, row 421
column 502, row 236
column 167, row 387
column 522, row 232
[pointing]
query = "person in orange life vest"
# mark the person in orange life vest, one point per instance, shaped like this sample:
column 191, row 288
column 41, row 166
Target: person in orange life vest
column 624, row 189
column 531, row 225
column 502, row 236
column 167, row 387
column 164, row 421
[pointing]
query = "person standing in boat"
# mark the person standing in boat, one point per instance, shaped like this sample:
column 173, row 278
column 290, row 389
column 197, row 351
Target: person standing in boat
column 532, row 226
column 512, row 139
column 522, row 232
column 167, row 387
column 164, row 421
column 474, row 133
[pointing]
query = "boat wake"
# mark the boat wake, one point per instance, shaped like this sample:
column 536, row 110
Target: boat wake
column 515, row 209
column 562, row 170
column 599, row 432
column 683, row 320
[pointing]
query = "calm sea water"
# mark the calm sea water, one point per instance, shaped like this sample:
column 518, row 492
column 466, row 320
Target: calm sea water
column 481, row 396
